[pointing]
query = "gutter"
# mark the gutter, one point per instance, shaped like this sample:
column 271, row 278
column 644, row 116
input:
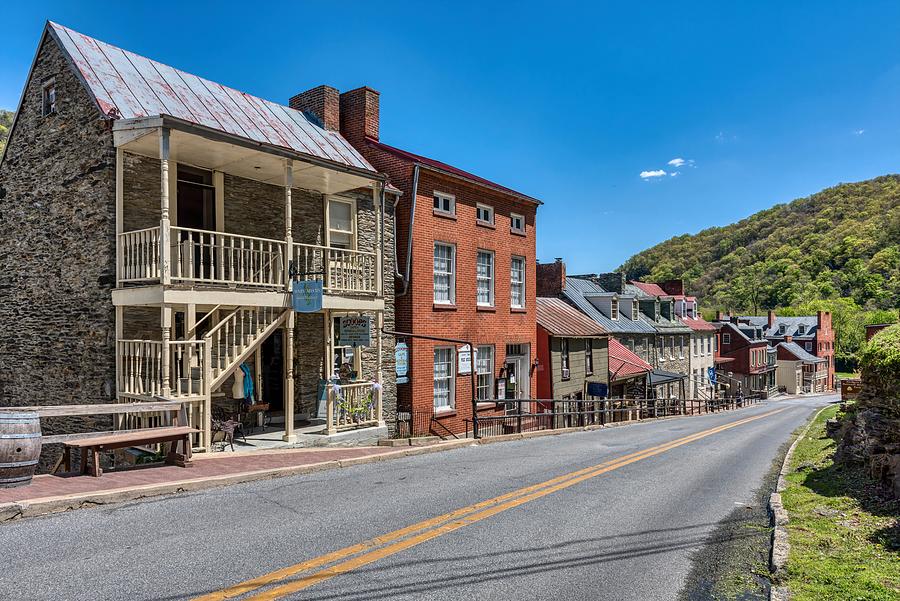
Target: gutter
column 409, row 241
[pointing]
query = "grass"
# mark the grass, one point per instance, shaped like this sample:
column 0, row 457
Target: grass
column 845, row 375
column 844, row 532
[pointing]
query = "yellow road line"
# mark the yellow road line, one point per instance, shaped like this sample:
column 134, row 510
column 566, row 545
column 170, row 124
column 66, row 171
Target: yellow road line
column 442, row 524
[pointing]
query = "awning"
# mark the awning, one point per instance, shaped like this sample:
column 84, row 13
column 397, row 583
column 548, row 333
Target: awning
column 661, row 376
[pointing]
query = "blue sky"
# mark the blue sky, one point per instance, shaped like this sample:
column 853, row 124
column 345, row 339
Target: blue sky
column 764, row 102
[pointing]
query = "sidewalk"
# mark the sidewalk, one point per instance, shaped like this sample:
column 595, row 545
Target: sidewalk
column 51, row 494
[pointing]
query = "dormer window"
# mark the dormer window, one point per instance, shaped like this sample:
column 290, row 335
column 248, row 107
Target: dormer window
column 801, row 329
column 782, row 329
column 614, row 309
column 48, row 97
column 635, row 310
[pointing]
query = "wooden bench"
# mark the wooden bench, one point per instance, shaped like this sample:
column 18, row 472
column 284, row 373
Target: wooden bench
column 133, row 438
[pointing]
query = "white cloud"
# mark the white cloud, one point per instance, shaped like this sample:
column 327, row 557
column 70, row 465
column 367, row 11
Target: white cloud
column 675, row 173
column 677, row 162
column 859, row 132
column 652, row 174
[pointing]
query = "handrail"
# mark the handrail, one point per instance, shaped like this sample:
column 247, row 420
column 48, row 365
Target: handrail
column 201, row 320
column 229, row 234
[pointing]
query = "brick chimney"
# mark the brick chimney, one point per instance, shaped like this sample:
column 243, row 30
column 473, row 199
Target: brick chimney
column 359, row 115
column 719, row 316
column 611, row 282
column 771, row 318
column 323, row 102
column 551, row 278
column 788, row 338
column 673, row 287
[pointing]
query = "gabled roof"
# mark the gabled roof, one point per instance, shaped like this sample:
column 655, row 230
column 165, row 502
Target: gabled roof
column 663, row 325
column 651, row 289
column 561, row 319
column 800, row 353
column 448, row 169
column 698, row 324
column 791, row 325
column 576, row 292
column 625, row 364
column 128, row 86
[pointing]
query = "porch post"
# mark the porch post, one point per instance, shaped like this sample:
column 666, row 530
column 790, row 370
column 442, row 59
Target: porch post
column 166, row 320
column 288, row 221
column 379, row 376
column 120, row 204
column 289, row 435
column 379, row 245
column 165, row 249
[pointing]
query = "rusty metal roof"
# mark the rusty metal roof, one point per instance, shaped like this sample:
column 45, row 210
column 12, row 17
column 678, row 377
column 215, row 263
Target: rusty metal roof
column 128, row 86
column 561, row 319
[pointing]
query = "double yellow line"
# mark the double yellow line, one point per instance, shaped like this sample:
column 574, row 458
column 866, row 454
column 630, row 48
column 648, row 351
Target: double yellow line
column 372, row 550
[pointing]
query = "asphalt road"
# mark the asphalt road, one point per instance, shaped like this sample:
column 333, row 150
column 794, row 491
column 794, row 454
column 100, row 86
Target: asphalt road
column 626, row 529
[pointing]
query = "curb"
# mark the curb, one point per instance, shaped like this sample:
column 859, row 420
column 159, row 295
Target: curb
column 49, row 505
column 778, row 555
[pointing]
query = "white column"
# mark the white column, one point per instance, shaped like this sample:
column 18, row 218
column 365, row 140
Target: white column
column 166, row 321
column 120, row 206
column 288, row 220
column 165, row 249
column 289, row 435
column 379, row 375
column 377, row 192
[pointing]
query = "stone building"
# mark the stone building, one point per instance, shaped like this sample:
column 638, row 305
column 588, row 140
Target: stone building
column 466, row 256
column 154, row 223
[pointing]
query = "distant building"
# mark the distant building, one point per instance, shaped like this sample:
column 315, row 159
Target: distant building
column 799, row 371
column 751, row 362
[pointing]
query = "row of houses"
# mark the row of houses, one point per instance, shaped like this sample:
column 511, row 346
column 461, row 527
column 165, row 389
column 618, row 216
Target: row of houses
column 166, row 236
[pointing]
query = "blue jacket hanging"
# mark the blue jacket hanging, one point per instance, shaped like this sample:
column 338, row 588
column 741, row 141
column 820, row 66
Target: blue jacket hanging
column 248, row 384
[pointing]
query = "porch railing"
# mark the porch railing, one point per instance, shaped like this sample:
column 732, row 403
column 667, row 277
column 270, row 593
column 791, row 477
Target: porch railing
column 340, row 270
column 219, row 258
column 140, row 255
column 351, row 406
column 141, row 368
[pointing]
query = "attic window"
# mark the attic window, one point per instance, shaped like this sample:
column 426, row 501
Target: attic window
column 635, row 310
column 801, row 329
column 614, row 309
column 726, row 338
column 48, row 97
column 782, row 328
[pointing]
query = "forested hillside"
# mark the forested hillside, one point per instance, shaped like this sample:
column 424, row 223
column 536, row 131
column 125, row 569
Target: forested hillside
column 843, row 242
column 6, row 118
column 838, row 250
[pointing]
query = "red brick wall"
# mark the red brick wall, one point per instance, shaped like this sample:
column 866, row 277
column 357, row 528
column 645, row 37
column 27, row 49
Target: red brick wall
column 321, row 101
column 824, row 346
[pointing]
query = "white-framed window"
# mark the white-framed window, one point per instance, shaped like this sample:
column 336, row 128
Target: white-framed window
column 671, row 347
column 801, row 329
column 709, row 343
column 809, row 347
column 588, row 356
column 631, row 345
column 484, row 214
column 726, row 338
column 484, row 278
column 341, row 223
column 661, row 348
column 444, row 273
column 693, row 347
column 444, row 203
column 444, row 393
column 48, row 97
column 614, row 308
column 345, row 360
column 517, row 223
column 635, row 310
column 484, row 366
column 564, row 357
column 681, row 347
column 517, row 282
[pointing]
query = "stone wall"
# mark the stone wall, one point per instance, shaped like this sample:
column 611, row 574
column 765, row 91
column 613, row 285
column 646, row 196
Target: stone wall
column 140, row 193
column 57, row 251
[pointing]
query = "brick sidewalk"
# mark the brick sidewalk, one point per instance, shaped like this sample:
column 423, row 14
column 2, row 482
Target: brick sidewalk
column 205, row 467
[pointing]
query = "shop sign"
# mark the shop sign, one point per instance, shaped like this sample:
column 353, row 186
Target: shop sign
column 356, row 331
column 401, row 362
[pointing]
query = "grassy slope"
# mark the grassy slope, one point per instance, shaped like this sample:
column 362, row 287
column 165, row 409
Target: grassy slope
column 843, row 533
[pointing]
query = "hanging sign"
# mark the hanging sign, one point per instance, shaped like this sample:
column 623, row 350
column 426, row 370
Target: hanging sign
column 711, row 373
column 501, row 388
column 597, row 389
column 306, row 296
column 401, row 362
column 464, row 360
column 355, row 331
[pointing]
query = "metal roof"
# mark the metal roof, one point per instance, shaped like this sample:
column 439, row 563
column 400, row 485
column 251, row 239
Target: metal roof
column 576, row 291
column 791, row 325
column 561, row 319
column 447, row 169
column 698, row 324
column 651, row 289
column 623, row 363
column 662, row 325
column 129, row 86
column 799, row 352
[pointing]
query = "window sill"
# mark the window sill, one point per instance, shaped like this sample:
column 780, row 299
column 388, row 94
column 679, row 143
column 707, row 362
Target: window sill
column 442, row 413
column 482, row 406
column 486, row 308
column 517, row 233
column 444, row 214
column 518, row 310
column 443, row 307
column 485, row 224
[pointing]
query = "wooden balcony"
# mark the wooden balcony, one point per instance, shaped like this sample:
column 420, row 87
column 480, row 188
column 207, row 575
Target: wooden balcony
column 235, row 261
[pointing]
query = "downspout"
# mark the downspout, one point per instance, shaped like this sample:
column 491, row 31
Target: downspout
column 412, row 220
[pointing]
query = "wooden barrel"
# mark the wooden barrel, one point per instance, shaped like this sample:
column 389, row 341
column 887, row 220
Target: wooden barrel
column 20, row 447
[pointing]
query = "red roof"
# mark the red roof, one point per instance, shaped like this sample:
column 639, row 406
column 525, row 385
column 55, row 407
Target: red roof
column 561, row 319
column 650, row 288
column 623, row 363
column 698, row 324
column 448, row 169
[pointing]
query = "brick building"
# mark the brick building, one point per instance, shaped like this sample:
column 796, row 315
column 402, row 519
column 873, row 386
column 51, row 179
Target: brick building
column 747, row 362
column 466, row 270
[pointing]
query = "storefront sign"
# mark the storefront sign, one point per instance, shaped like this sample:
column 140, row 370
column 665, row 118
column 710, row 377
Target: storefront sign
column 501, row 388
column 401, row 362
column 306, row 296
column 355, row 331
column 464, row 360
column 711, row 373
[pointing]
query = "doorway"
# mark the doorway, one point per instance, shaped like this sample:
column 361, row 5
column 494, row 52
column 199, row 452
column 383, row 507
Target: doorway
column 273, row 371
column 196, row 202
column 518, row 379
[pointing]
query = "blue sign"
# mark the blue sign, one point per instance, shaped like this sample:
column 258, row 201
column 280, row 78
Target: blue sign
column 711, row 373
column 597, row 389
column 401, row 362
column 306, row 296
